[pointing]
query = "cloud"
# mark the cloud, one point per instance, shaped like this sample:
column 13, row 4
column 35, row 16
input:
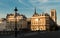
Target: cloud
column 54, row 0
column 32, row 2
column 45, row 5
column 36, row 2
column 22, row 2
column 43, row 1
column 39, row 1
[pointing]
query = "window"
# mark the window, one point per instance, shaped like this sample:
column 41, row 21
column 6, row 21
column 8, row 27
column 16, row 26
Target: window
column 52, row 13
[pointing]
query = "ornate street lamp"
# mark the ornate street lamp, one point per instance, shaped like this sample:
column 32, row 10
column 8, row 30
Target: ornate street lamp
column 15, row 21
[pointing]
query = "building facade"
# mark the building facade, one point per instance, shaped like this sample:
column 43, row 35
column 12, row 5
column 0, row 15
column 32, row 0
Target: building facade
column 21, row 21
column 2, row 24
column 43, row 21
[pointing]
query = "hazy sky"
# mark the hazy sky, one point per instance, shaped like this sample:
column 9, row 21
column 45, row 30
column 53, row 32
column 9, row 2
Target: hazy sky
column 26, row 7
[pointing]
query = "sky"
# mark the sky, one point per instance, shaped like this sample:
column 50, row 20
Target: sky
column 26, row 7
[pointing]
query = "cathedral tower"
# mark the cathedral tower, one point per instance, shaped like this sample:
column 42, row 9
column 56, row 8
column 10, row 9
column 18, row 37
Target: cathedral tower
column 53, row 15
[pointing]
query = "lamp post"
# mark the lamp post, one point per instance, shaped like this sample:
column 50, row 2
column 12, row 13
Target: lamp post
column 15, row 21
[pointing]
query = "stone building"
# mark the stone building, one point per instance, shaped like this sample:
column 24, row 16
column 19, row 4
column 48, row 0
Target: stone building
column 21, row 21
column 2, row 24
column 44, row 21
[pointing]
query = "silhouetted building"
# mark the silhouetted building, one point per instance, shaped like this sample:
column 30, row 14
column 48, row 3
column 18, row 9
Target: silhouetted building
column 29, row 23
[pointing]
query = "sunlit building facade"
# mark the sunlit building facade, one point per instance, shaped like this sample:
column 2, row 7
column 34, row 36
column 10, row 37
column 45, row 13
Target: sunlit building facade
column 21, row 21
column 43, row 21
column 38, row 22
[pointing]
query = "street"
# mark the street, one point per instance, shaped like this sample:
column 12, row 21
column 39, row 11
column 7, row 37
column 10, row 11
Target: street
column 52, row 34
